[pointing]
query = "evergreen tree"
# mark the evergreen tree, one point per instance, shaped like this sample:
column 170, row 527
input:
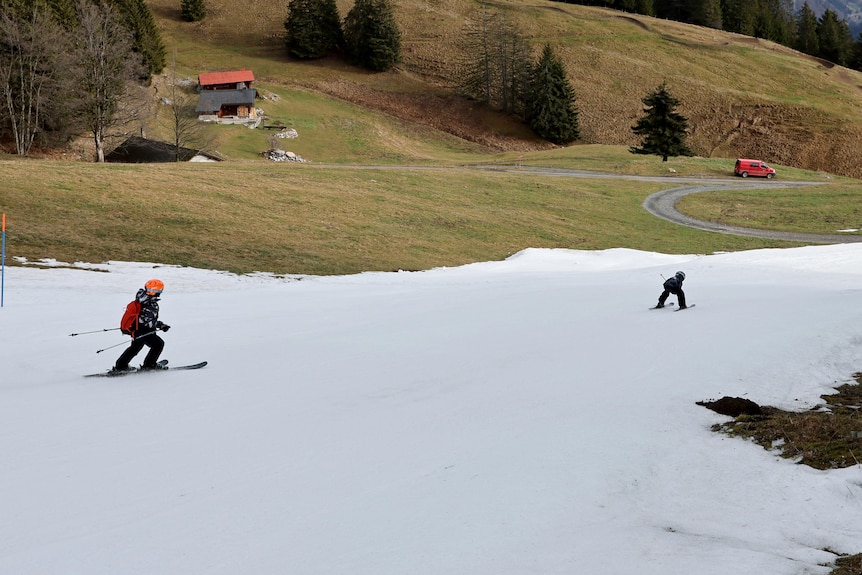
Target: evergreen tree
column 552, row 112
column 705, row 13
column 833, row 36
column 662, row 128
column 313, row 28
column 371, row 35
column 700, row 12
column 64, row 13
column 776, row 20
column 148, row 43
column 806, row 31
column 193, row 10
column 855, row 60
column 669, row 9
column 737, row 16
column 645, row 7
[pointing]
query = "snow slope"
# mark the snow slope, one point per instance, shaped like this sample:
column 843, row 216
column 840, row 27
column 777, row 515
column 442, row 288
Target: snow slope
column 529, row 416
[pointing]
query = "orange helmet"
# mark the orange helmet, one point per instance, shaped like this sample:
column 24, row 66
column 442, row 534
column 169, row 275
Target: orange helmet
column 154, row 287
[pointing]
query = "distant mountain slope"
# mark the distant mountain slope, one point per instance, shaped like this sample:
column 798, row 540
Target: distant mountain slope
column 849, row 10
column 743, row 96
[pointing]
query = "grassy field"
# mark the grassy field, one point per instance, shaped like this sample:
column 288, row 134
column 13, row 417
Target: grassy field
column 820, row 211
column 313, row 219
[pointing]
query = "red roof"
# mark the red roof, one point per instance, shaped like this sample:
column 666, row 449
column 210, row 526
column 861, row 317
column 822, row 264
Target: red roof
column 212, row 78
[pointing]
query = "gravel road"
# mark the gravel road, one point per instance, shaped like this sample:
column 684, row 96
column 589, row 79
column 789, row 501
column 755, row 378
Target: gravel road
column 663, row 204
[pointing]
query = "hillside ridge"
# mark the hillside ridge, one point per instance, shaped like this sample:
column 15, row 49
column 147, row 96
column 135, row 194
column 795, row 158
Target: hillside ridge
column 743, row 96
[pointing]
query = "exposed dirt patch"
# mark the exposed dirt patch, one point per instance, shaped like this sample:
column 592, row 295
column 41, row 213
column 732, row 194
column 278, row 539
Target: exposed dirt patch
column 828, row 436
column 444, row 111
column 733, row 406
column 851, row 565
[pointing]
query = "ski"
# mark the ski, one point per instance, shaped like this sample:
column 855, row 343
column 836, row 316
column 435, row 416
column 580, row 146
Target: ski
column 163, row 363
column 685, row 308
column 662, row 307
column 190, row 366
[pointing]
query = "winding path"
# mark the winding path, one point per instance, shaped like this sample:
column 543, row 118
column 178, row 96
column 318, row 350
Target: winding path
column 663, row 204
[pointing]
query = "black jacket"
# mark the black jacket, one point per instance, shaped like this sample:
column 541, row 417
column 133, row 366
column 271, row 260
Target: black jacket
column 149, row 317
column 673, row 285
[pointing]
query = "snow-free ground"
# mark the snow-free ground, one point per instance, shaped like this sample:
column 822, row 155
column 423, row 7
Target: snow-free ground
column 529, row 416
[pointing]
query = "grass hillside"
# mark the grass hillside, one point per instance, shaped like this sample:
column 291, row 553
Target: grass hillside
column 322, row 220
column 743, row 96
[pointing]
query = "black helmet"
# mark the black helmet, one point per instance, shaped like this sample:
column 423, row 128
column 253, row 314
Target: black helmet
column 679, row 275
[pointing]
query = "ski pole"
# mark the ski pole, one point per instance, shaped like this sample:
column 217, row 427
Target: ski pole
column 124, row 343
column 94, row 331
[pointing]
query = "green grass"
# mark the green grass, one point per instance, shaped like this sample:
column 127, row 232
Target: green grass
column 822, row 209
column 298, row 218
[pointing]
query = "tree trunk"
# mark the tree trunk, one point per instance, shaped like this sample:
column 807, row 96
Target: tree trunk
column 100, row 146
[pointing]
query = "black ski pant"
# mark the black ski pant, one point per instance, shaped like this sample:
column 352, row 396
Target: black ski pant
column 151, row 340
column 680, row 296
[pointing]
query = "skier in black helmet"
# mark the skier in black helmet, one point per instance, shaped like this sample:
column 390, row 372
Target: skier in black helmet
column 673, row 286
column 141, row 321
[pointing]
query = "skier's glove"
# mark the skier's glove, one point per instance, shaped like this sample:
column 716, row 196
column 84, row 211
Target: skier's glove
column 162, row 326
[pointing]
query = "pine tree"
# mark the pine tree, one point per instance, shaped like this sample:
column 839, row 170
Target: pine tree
column 313, row 28
column 662, row 128
column 552, row 112
column 855, row 60
column 833, row 36
column 705, row 13
column 806, row 31
column 148, row 43
column 737, row 16
column 193, row 10
column 64, row 12
column 774, row 20
column 371, row 35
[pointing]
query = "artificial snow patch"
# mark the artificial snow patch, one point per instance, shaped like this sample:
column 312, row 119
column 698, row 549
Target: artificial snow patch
column 523, row 416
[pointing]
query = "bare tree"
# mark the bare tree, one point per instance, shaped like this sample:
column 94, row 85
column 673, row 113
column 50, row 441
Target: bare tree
column 105, row 72
column 495, row 61
column 187, row 131
column 31, row 52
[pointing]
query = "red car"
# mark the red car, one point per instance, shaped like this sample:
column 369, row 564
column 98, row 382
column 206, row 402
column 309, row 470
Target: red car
column 745, row 168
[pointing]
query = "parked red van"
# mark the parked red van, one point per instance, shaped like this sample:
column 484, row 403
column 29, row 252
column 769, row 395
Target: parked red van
column 747, row 168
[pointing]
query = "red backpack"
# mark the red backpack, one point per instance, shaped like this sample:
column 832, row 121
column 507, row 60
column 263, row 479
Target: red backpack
column 129, row 323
